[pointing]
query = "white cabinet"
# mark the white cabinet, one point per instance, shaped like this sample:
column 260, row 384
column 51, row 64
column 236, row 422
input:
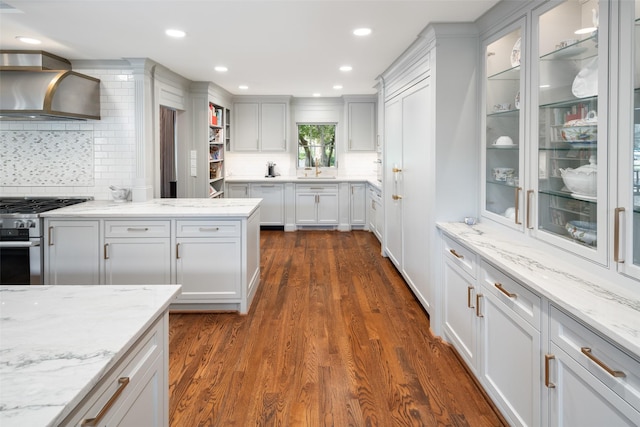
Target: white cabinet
column 509, row 317
column 273, row 126
column 72, row 252
column 430, row 150
column 407, row 230
column 358, row 204
column 237, row 191
column 375, row 212
column 137, row 252
column 588, row 380
column 246, row 126
column 272, row 205
column 361, row 124
column 317, row 204
column 208, row 260
column 136, row 391
column 260, row 125
column 460, row 324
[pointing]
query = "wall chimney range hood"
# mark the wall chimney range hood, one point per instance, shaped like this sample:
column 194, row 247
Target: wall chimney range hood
column 37, row 85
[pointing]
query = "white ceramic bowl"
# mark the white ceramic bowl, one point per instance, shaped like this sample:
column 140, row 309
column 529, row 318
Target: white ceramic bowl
column 582, row 231
column 120, row 194
column 582, row 182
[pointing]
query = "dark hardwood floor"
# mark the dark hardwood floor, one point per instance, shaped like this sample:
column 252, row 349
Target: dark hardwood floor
column 333, row 338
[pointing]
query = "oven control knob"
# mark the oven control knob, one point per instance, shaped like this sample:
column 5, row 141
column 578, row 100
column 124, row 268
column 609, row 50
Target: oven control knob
column 31, row 223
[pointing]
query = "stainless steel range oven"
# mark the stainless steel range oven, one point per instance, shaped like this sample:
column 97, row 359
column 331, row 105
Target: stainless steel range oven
column 21, row 248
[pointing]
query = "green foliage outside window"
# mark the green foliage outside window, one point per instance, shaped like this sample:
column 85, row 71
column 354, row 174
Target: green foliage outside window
column 316, row 143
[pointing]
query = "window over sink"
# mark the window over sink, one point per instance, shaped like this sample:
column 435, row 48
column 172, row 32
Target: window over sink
column 316, row 145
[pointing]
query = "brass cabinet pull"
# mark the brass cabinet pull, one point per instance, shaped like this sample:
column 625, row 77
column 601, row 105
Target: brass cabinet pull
column 504, row 291
column 141, row 229
column 616, row 235
column 396, row 170
column 396, row 197
column 455, row 254
column 177, row 250
column 478, row 296
column 106, row 251
column 51, row 236
column 587, row 352
column 469, row 289
column 124, row 381
column 203, row 229
column 517, row 205
column 547, row 359
column 529, row 193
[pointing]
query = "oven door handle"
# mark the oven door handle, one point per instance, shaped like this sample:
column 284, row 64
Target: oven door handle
column 19, row 244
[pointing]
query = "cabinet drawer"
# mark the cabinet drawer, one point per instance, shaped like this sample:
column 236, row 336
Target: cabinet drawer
column 520, row 299
column 208, row 228
column 317, row 188
column 137, row 229
column 132, row 368
column 461, row 256
column 615, row 368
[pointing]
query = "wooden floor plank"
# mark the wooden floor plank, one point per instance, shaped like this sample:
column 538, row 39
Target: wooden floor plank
column 334, row 338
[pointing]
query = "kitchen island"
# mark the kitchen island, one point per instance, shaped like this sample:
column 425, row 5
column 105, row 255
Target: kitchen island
column 63, row 350
column 209, row 246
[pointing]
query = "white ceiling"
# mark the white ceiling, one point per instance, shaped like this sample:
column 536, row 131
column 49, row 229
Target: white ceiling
column 286, row 47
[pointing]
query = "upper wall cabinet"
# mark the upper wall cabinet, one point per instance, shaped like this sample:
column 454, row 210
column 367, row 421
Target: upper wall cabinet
column 626, row 223
column 503, row 172
column 570, row 139
column 260, row 125
column 361, row 125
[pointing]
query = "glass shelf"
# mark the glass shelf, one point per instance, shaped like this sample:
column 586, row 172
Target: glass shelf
column 567, row 195
column 508, row 113
column 570, row 102
column 583, row 49
column 508, row 74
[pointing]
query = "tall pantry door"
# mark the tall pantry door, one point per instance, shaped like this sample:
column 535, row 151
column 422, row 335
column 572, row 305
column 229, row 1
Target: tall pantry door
column 417, row 122
column 393, row 181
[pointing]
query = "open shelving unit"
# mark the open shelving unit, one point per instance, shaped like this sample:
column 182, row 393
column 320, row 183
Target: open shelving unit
column 218, row 139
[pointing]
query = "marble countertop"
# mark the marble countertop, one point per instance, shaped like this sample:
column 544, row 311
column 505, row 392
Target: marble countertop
column 195, row 208
column 241, row 179
column 612, row 310
column 56, row 342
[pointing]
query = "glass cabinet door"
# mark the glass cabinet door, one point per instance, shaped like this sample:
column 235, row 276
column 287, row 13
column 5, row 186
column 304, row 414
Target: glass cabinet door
column 571, row 133
column 626, row 251
column 503, row 154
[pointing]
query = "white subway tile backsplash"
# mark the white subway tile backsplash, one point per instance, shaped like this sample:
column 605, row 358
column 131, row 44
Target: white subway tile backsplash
column 111, row 139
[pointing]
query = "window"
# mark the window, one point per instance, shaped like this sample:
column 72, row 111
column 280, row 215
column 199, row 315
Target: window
column 316, row 145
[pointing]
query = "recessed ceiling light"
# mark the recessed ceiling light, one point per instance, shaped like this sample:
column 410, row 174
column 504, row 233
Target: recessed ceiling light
column 243, row 87
column 28, row 40
column 346, row 68
column 586, row 30
column 221, row 69
column 175, row 33
column 362, row 31
column 337, row 87
column 317, row 94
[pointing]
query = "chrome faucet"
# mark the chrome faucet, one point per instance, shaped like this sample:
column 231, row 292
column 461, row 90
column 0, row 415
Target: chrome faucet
column 318, row 171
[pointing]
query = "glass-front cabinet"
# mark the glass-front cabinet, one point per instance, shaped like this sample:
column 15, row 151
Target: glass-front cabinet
column 569, row 132
column 626, row 221
column 503, row 155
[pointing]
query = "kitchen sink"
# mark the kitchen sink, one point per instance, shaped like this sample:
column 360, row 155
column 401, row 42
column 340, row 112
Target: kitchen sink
column 316, row 177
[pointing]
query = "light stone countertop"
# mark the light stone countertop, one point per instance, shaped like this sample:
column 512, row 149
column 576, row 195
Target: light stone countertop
column 57, row 342
column 281, row 179
column 193, row 208
column 612, row 310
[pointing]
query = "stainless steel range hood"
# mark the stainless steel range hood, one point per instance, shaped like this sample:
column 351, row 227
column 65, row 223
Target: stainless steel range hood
column 36, row 85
